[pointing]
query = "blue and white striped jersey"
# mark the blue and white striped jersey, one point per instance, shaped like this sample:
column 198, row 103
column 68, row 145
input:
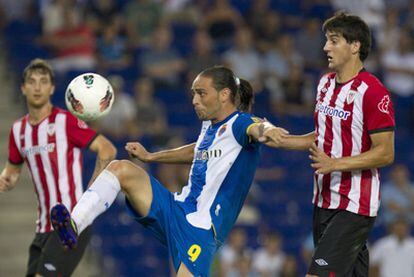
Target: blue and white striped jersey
column 225, row 160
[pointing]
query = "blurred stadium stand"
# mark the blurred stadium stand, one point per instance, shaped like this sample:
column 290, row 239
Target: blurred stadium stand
column 124, row 247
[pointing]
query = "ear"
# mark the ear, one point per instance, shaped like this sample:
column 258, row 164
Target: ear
column 225, row 94
column 355, row 47
column 22, row 89
column 53, row 90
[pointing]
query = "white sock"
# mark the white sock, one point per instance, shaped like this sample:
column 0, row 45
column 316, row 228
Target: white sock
column 96, row 199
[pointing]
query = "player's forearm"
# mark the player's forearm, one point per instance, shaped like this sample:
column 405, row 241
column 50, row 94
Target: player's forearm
column 105, row 155
column 295, row 142
column 376, row 157
column 183, row 154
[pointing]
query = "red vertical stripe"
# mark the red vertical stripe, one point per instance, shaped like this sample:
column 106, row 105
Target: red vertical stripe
column 366, row 178
column 22, row 138
column 327, row 148
column 51, row 138
column 365, row 196
column 346, row 137
column 322, row 95
column 39, row 164
column 70, row 161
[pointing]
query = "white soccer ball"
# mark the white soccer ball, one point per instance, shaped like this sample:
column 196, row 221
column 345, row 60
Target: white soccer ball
column 89, row 96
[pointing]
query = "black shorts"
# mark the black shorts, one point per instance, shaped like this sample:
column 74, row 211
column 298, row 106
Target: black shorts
column 340, row 243
column 47, row 256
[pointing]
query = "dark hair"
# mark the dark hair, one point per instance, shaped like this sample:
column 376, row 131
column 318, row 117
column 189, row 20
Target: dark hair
column 223, row 77
column 38, row 65
column 352, row 28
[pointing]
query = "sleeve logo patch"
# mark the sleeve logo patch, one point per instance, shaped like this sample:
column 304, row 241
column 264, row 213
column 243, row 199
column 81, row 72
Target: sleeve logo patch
column 383, row 105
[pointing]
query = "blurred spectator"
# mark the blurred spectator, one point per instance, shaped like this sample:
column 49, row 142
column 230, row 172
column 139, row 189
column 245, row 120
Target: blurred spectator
column 181, row 11
column 393, row 255
column 399, row 67
column 268, row 32
column 16, row 10
column 142, row 17
column 73, row 45
column 52, row 14
column 388, row 36
column 290, row 267
column 222, row 20
column 112, row 49
column 397, row 195
column 278, row 62
column 309, row 41
column 295, row 96
column 161, row 62
column 202, row 55
column 242, row 268
column 101, row 13
column 372, row 11
column 408, row 22
column 268, row 260
column 263, row 26
column 256, row 13
column 307, row 249
column 122, row 115
column 150, row 118
column 243, row 59
column 233, row 250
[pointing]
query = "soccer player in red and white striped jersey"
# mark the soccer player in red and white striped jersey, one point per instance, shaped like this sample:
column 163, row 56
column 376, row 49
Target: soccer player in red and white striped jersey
column 353, row 137
column 49, row 140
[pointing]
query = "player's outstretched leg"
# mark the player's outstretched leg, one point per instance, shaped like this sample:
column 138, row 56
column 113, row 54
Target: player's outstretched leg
column 64, row 226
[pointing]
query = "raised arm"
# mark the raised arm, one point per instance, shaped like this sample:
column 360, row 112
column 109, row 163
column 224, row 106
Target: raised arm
column 180, row 155
column 105, row 151
column 9, row 177
column 298, row 142
column 277, row 137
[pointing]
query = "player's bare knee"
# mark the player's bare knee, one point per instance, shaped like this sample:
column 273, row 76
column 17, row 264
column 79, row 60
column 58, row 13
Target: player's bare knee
column 127, row 173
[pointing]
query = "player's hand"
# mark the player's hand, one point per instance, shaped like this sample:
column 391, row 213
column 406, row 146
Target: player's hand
column 5, row 184
column 322, row 163
column 271, row 135
column 137, row 151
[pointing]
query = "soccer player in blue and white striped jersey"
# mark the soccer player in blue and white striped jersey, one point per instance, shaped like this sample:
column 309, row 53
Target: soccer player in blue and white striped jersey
column 194, row 223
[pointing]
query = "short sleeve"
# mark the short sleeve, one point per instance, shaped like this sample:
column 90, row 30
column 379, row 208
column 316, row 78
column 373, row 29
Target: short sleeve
column 79, row 133
column 378, row 110
column 14, row 153
column 240, row 126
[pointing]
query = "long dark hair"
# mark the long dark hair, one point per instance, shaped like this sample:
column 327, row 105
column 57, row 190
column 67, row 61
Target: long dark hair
column 352, row 28
column 241, row 90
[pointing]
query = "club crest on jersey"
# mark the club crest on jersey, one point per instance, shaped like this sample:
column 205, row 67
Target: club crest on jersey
column 222, row 129
column 51, row 129
column 351, row 96
column 384, row 104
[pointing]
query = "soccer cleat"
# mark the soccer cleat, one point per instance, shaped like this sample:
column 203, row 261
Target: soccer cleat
column 64, row 226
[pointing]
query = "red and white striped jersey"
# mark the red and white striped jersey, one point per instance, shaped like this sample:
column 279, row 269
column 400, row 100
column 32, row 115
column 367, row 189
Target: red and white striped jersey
column 51, row 150
column 345, row 116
